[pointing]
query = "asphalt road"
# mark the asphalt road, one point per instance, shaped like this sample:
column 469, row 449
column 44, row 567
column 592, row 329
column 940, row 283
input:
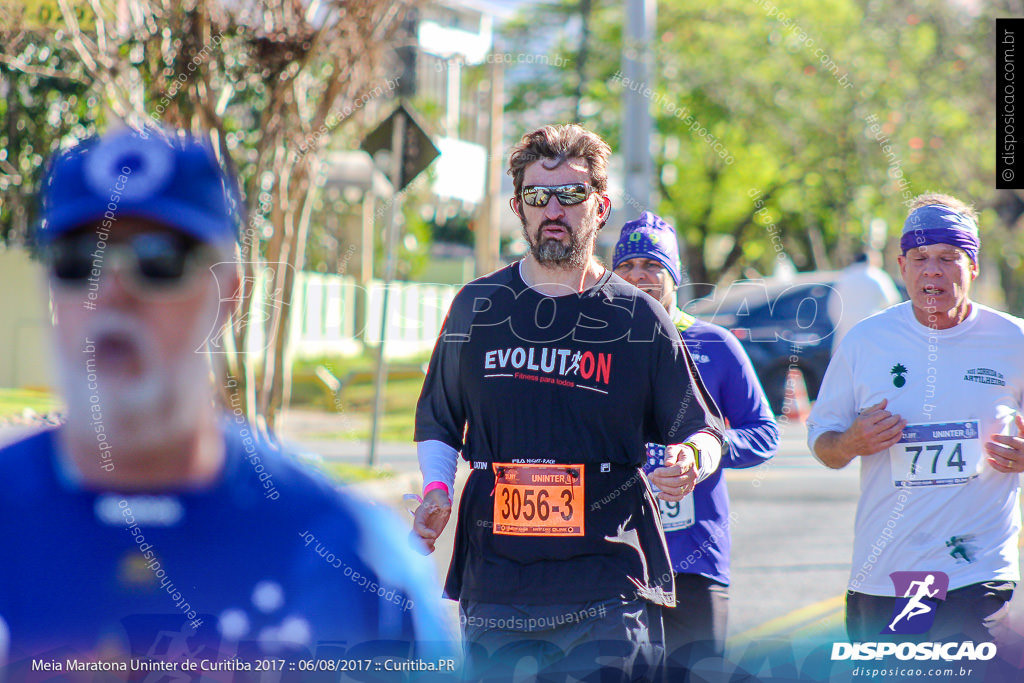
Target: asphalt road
column 792, row 530
column 792, row 542
column 792, row 535
column 792, row 539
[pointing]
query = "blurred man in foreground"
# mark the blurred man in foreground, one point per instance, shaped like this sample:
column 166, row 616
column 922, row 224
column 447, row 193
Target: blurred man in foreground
column 150, row 525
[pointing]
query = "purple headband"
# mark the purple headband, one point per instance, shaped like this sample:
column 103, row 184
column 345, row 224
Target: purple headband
column 938, row 224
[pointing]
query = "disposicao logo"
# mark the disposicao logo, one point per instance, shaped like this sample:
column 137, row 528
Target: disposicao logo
column 948, row 652
column 915, row 611
column 917, row 597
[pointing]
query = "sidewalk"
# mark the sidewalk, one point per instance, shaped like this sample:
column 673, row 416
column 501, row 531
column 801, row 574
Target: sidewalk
column 303, row 429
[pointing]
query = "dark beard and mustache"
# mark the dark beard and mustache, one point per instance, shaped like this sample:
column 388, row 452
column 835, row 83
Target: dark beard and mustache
column 571, row 255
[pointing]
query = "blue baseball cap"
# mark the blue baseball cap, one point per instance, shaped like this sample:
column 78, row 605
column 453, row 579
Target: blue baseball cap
column 164, row 176
column 652, row 237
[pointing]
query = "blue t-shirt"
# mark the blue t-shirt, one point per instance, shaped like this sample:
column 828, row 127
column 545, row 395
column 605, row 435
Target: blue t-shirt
column 752, row 438
column 270, row 560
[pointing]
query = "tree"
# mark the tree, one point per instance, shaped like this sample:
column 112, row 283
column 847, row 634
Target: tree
column 44, row 97
column 269, row 82
column 796, row 121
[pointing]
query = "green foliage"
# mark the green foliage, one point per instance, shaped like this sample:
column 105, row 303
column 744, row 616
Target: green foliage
column 45, row 102
column 355, row 399
column 455, row 230
column 14, row 402
column 774, row 100
column 354, row 474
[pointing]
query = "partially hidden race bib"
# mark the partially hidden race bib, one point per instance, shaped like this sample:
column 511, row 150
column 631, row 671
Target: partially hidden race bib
column 674, row 516
column 936, row 454
column 538, row 500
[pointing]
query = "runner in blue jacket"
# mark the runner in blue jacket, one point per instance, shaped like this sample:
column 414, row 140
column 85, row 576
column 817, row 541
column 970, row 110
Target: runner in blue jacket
column 697, row 527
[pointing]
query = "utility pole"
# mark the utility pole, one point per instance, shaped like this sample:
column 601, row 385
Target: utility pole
column 637, row 66
column 488, row 235
column 394, row 212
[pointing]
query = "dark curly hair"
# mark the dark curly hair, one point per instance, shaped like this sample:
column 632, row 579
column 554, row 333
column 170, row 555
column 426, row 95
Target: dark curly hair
column 559, row 143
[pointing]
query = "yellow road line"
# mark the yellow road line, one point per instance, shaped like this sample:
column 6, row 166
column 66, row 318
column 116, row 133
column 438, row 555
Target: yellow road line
column 1020, row 537
column 790, row 622
column 831, row 623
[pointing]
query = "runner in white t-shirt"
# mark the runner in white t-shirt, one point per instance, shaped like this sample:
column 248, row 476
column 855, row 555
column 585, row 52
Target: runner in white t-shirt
column 928, row 393
column 863, row 289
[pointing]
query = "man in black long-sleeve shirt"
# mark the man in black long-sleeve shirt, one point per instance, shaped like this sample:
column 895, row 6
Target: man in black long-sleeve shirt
column 549, row 377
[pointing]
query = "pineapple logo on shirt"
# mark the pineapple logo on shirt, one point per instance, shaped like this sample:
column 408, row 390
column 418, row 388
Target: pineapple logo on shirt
column 898, row 380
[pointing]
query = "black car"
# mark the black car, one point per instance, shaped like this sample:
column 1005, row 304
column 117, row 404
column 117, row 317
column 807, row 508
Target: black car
column 782, row 325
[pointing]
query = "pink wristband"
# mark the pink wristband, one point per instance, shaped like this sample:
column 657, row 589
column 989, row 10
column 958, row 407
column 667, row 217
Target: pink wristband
column 437, row 485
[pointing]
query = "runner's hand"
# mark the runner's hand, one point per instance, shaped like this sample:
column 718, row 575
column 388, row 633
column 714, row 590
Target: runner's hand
column 874, row 430
column 1006, row 453
column 430, row 519
column 678, row 476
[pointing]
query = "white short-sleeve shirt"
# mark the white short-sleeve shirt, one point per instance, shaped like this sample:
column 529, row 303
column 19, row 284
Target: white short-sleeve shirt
column 931, row 502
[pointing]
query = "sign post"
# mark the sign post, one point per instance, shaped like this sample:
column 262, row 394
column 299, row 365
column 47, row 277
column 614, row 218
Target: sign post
column 410, row 151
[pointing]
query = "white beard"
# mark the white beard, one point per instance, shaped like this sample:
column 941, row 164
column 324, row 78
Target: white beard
column 135, row 412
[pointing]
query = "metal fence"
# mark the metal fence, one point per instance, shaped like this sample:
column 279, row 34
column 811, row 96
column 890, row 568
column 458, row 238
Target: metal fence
column 326, row 320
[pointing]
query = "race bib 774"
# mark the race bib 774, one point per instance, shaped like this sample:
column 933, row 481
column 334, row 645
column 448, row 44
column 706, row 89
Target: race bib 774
column 937, row 454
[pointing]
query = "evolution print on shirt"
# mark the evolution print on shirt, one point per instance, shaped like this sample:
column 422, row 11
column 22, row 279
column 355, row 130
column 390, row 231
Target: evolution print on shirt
column 562, row 367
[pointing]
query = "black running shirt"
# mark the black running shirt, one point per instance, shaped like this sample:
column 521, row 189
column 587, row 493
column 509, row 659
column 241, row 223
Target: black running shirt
column 522, row 380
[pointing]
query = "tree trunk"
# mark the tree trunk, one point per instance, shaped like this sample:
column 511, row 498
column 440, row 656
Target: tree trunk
column 286, row 52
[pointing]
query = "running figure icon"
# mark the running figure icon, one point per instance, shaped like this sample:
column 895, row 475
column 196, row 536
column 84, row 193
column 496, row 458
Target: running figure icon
column 915, row 607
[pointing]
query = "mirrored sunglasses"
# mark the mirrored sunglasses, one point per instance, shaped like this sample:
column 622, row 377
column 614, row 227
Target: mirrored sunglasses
column 568, row 195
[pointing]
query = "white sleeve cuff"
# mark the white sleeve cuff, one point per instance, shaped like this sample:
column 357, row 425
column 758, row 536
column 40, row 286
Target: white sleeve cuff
column 710, row 453
column 438, row 462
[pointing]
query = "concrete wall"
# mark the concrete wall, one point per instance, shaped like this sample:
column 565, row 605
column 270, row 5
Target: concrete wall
column 24, row 322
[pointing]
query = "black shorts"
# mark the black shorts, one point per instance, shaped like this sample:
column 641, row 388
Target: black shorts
column 975, row 612
column 622, row 639
column 695, row 628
